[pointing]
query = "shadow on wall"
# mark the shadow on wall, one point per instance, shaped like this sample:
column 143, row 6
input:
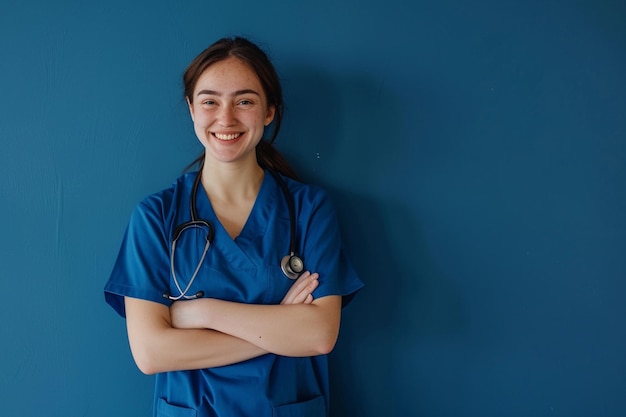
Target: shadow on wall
column 406, row 301
column 312, row 121
column 406, row 305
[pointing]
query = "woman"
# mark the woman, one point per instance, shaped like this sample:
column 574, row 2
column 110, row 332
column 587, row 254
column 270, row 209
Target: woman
column 207, row 304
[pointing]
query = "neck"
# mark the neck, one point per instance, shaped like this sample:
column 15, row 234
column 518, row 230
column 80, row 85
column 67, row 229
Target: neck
column 230, row 181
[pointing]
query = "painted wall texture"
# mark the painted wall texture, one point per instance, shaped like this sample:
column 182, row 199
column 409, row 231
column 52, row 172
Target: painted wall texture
column 476, row 152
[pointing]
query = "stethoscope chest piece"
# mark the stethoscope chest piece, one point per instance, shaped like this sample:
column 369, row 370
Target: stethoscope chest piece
column 292, row 266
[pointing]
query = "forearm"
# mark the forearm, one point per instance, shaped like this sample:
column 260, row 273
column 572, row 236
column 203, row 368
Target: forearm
column 158, row 347
column 289, row 330
column 187, row 349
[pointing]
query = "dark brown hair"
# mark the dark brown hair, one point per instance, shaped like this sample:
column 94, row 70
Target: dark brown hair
column 253, row 56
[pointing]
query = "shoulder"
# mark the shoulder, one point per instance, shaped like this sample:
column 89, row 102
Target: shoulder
column 168, row 197
column 158, row 209
column 310, row 200
column 305, row 193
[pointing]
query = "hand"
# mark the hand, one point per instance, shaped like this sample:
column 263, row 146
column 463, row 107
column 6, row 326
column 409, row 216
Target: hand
column 301, row 290
column 187, row 314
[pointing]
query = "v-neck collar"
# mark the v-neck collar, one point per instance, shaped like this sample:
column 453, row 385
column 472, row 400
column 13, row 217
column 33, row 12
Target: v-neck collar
column 256, row 225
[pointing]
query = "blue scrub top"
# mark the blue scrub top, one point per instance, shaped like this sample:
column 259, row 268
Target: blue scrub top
column 244, row 270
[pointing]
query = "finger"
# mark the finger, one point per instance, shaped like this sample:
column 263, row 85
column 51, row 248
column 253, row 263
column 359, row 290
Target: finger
column 301, row 288
column 299, row 291
column 305, row 292
column 309, row 299
column 300, row 284
column 302, row 279
column 305, row 281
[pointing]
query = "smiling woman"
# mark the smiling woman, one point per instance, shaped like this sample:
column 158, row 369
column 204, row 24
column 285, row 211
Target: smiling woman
column 262, row 68
column 240, row 339
column 230, row 111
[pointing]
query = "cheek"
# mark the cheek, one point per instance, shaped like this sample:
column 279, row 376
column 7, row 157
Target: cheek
column 200, row 119
column 200, row 126
column 261, row 119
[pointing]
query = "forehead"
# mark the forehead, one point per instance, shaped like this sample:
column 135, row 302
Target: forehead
column 228, row 76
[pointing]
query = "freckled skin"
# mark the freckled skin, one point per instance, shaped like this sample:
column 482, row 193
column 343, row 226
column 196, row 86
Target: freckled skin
column 229, row 103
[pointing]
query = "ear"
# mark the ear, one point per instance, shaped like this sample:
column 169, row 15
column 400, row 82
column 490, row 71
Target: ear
column 271, row 111
column 190, row 104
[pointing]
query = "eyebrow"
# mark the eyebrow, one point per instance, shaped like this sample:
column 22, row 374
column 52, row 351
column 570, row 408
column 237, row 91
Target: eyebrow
column 236, row 93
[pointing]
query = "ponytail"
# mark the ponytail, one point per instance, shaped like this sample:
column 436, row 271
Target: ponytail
column 268, row 157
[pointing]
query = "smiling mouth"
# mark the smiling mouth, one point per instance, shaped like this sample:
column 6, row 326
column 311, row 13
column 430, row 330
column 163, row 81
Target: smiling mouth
column 227, row 136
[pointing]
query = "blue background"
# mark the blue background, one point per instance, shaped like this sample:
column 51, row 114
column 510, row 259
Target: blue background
column 476, row 152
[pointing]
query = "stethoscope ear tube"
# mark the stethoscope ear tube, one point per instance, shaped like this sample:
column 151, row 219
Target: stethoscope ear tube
column 169, row 296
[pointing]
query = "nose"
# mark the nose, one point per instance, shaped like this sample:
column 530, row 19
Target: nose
column 226, row 115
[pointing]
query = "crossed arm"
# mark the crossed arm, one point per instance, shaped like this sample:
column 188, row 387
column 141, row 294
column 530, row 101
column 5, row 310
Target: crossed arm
column 208, row 332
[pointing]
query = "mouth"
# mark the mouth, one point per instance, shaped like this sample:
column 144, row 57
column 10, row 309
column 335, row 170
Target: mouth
column 227, row 136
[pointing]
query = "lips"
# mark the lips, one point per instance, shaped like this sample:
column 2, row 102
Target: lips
column 227, row 136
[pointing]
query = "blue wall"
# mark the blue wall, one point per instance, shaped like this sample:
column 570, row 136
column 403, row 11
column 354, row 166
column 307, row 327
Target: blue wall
column 476, row 152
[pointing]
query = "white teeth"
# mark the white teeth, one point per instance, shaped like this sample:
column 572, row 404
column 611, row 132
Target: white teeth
column 230, row 136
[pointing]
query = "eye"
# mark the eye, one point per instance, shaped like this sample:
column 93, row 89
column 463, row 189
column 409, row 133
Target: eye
column 245, row 102
column 208, row 102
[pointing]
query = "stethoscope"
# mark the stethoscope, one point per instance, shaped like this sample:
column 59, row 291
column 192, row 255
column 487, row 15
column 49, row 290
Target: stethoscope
column 291, row 265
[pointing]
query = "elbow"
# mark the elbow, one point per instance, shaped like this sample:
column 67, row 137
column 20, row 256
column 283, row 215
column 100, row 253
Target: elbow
column 326, row 347
column 148, row 326
column 326, row 342
column 146, row 367
column 327, row 333
column 146, row 360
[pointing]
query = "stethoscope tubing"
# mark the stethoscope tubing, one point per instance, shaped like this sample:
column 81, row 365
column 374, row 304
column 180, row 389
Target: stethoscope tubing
column 183, row 293
column 291, row 265
column 292, row 211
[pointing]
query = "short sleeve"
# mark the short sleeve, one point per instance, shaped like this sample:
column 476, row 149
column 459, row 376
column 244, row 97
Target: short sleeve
column 142, row 266
column 323, row 249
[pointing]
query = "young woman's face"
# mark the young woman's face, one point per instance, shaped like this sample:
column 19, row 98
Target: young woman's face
column 229, row 111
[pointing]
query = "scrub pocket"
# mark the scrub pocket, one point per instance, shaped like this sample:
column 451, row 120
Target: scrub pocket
column 164, row 409
column 312, row 408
